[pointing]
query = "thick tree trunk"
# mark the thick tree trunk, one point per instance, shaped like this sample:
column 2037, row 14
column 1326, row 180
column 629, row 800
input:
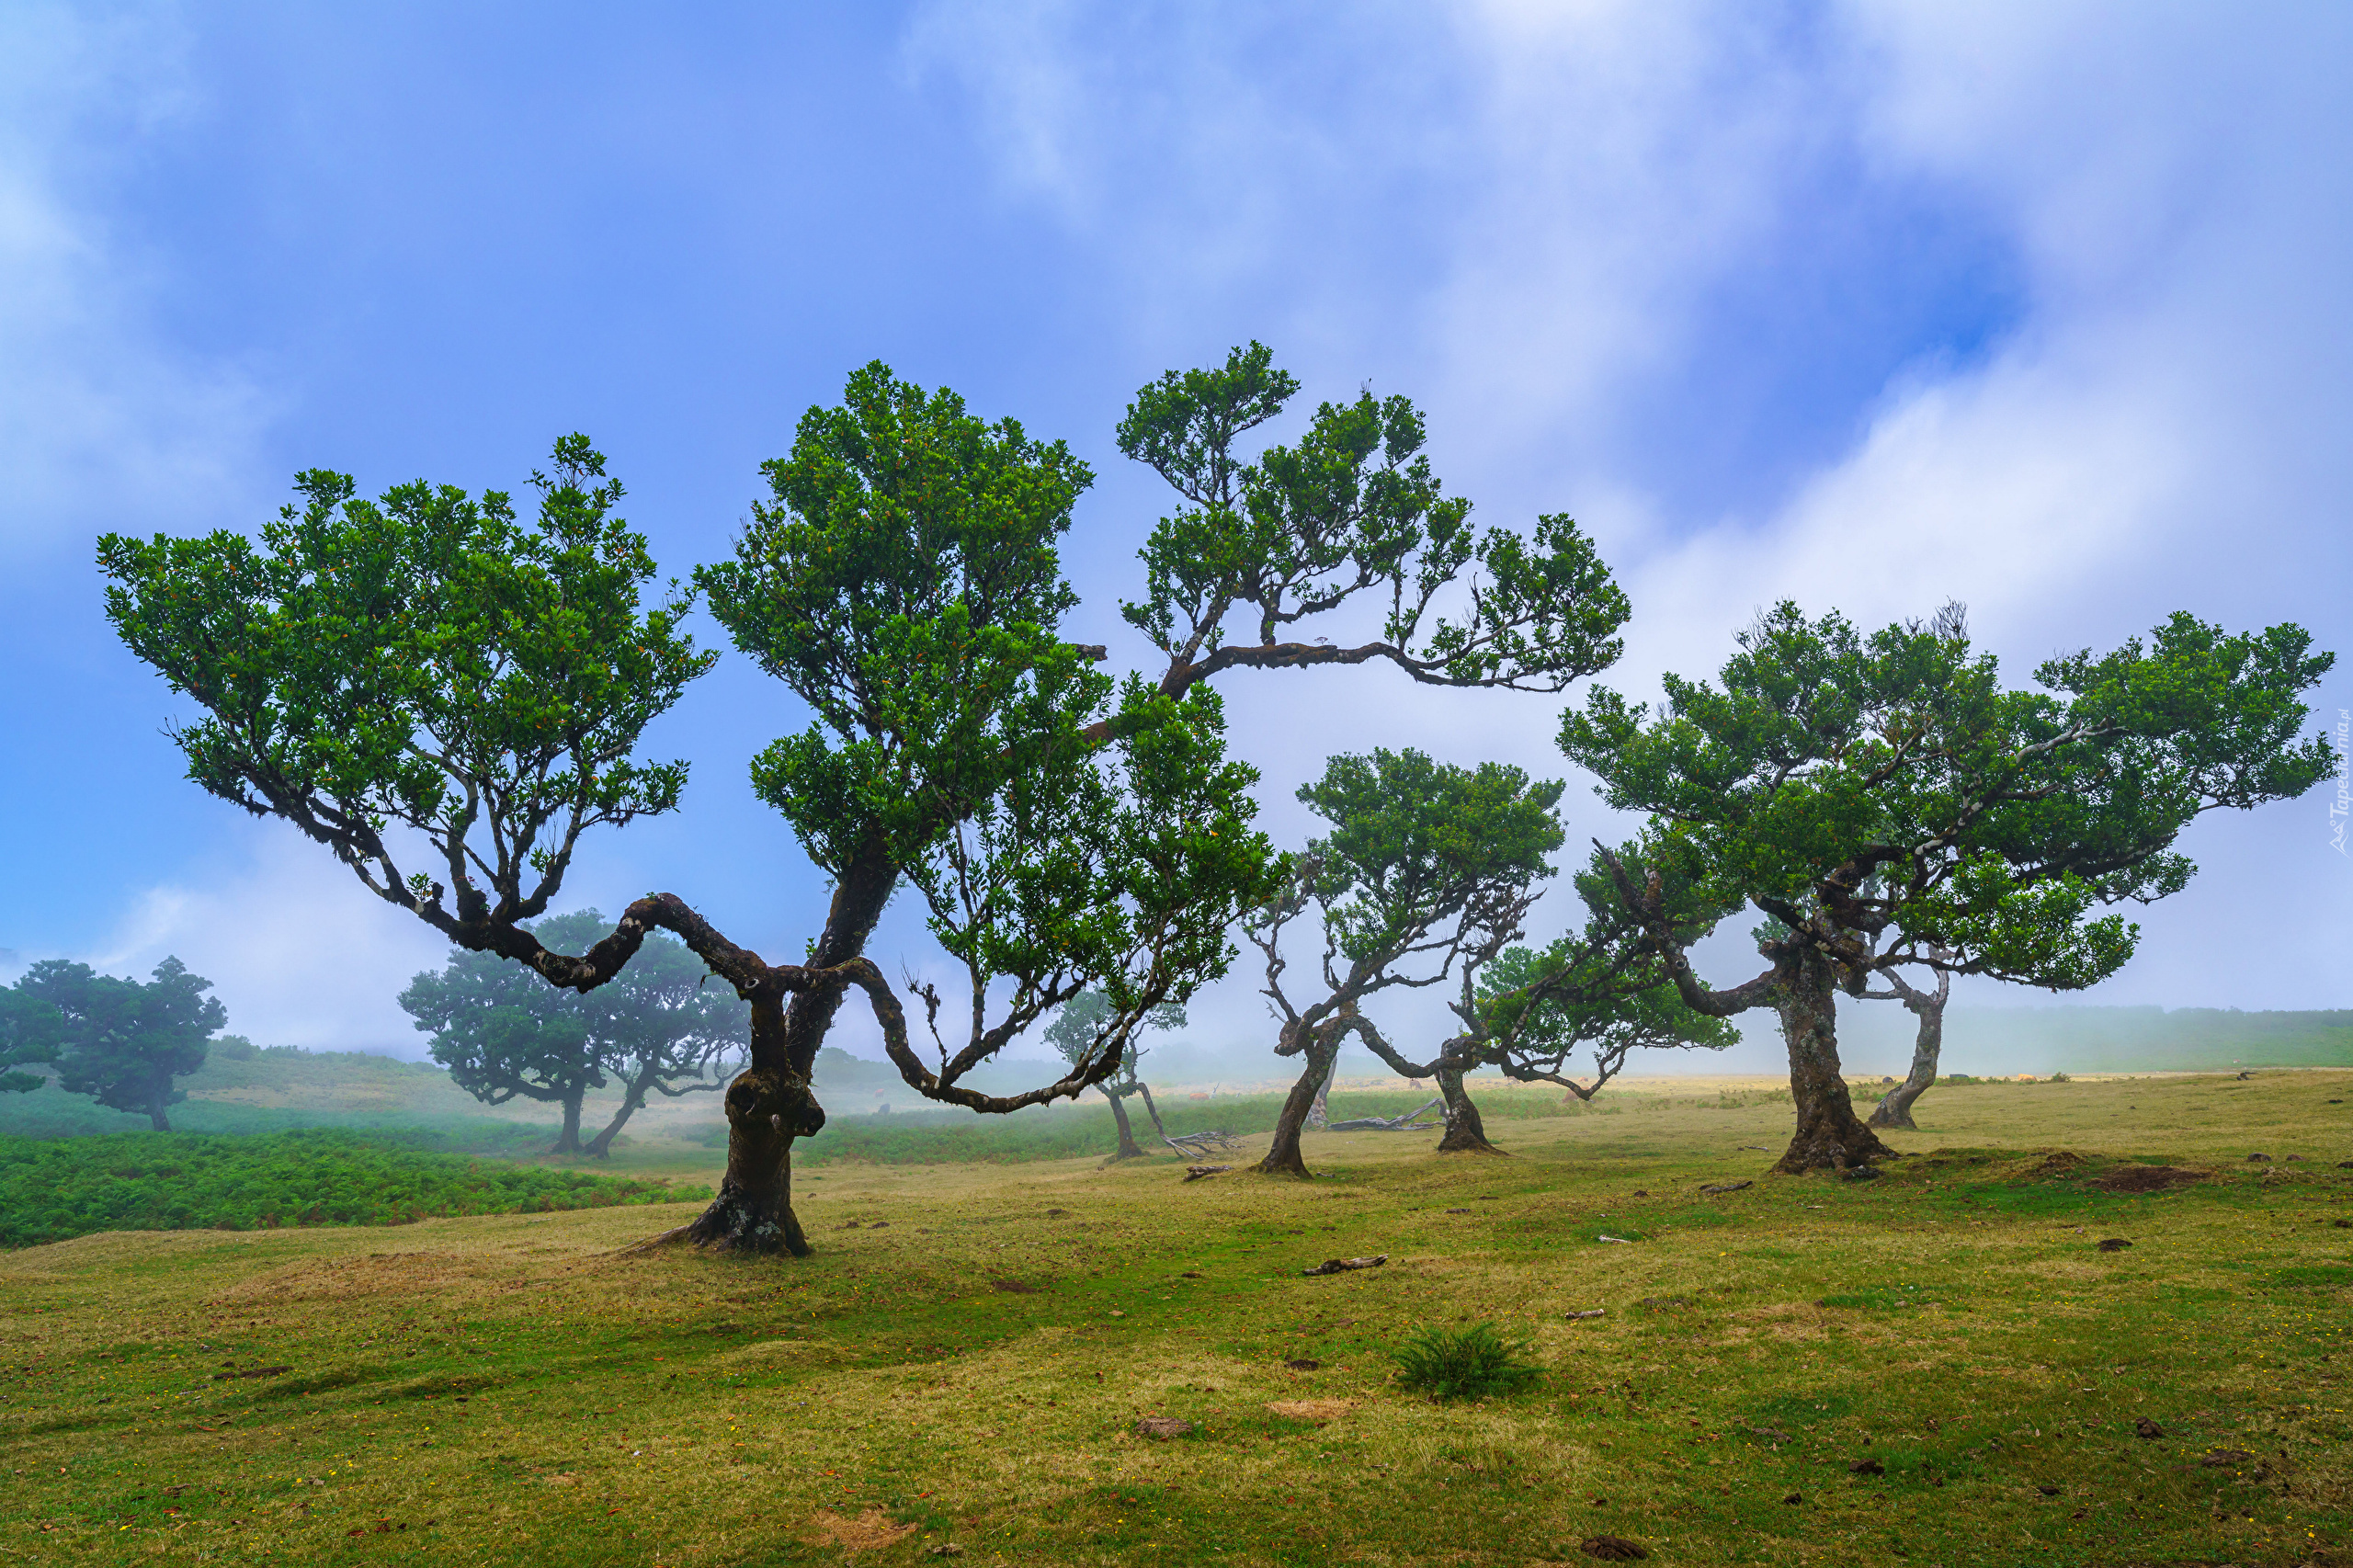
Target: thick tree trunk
column 1894, row 1109
column 767, row 1107
column 1128, row 1149
column 770, row 1104
column 1828, row 1132
column 1465, row 1133
column 1319, row 1115
column 1283, row 1155
column 568, row 1141
column 157, row 1119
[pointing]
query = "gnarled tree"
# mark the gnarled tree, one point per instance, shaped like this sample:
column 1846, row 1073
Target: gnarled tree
column 1883, row 799
column 1425, row 864
column 1927, row 1005
column 428, row 676
column 1529, row 1013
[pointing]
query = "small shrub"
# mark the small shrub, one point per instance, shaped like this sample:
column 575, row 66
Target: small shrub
column 1466, row 1363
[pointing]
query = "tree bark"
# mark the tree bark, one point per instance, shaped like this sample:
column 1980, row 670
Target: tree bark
column 1465, row 1133
column 1828, row 1132
column 1151, row 1109
column 1283, row 1155
column 1319, row 1115
column 1128, row 1149
column 1894, row 1108
column 770, row 1103
column 157, row 1119
column 568, row 1141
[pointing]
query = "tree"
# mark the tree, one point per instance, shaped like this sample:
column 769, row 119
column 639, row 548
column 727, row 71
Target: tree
column 658, row 1025
column 504, row 1033
column 431, row 663
column 29, row 1031
column 1076, row 1034
column 1426, row 864
column 1528, row 1012
column 1894, row 1108
column 117, row 1040
column 1883, row 799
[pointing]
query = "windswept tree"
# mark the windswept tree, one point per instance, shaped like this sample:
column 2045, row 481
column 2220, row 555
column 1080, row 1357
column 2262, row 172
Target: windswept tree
column 121, row 1041
column 1426, row 864
column 1531, row 1013
column 428, row 671
column 659, row 1027
column 1881, row 798
column 1076, row 1034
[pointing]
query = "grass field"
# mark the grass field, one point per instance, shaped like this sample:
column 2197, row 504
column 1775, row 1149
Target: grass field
column 960, row 1371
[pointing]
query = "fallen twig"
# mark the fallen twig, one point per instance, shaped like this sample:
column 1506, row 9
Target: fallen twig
column 1588, row 1312
column 1343, row 1265
column 1195, row 1173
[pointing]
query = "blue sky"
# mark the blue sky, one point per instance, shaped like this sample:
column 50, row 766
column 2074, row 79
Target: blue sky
column 2037, row 306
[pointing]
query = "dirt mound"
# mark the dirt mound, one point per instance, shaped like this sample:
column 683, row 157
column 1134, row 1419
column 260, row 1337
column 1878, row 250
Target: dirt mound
column 2146, row 1178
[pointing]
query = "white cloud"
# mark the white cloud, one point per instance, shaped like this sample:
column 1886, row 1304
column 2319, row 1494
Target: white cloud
column 102, row 425
column 297, row 951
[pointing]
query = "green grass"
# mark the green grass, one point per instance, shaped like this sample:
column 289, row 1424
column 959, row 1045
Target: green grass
column 517, row 1390
column 54, row 1189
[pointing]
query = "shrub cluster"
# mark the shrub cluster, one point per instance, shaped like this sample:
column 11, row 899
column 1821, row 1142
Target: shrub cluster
column 52, row 1189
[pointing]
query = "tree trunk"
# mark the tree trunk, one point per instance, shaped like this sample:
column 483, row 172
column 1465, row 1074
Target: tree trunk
column 157, row 1119
column 1283, row 1156
column 1151, row 1109
column 767, row 1107
column 601, row 1146
column 1828, row 1133
column 1127, row 1150
column 568, row 1141
column 1465, row 1133
column 770, row 1103
column 1895, row 1108
column 1319, row 1114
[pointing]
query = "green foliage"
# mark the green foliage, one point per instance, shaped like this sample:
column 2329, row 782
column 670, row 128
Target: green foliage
column 116, row 1041
column 1417, row 844
column 427, row 661
column 1844, row 783
column 1352, row 509
column 29, row 1031
column 502, row 1031
column 1476, row 1362
column 1536, row 1007
column 902, row 581
column 1066, row 831
column 53, row 1190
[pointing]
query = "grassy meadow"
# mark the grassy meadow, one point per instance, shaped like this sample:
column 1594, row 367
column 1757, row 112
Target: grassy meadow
column 961, row 1369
